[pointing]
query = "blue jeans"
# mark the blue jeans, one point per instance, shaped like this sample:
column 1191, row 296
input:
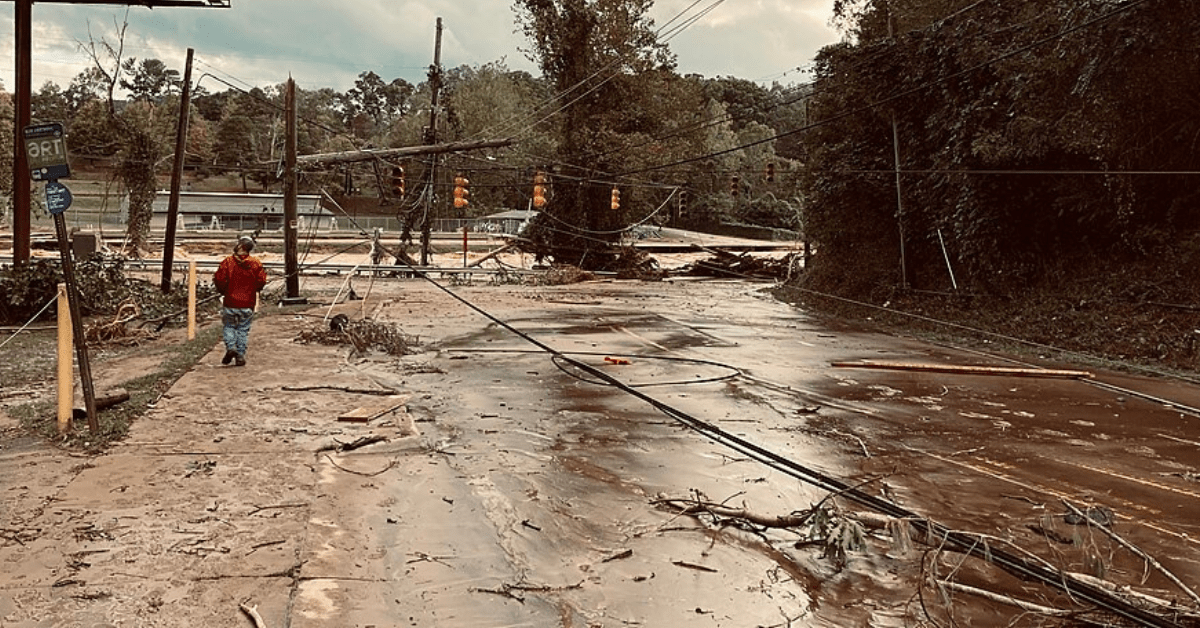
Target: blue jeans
column 237, row 327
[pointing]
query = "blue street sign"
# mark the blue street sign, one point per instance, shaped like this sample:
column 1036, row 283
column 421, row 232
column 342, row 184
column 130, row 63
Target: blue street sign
column 58, row 197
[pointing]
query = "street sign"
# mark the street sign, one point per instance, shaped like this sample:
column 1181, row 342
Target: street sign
column 46, row 151
column 58, row 197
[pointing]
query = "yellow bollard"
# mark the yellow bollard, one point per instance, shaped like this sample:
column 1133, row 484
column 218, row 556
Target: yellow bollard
column 191, row 299
column 66, row 373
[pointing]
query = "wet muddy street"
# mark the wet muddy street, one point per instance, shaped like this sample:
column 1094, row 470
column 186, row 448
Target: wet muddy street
column 512, row 487
column 537, row 499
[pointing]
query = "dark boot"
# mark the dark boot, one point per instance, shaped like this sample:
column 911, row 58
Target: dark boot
column 239, row 359
column 229, row 356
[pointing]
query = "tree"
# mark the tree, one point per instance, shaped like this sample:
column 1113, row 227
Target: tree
column 149, row 79
column 373, row 104
column 989, row 102
column 140, row 132
column 592, row 52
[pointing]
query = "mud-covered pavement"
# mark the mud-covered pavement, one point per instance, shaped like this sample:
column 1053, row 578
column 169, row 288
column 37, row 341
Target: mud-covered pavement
column 513, row 490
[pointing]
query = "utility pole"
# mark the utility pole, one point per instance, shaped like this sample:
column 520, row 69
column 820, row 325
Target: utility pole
column 291, row 235
column 21, row 201
column 896, row 157
column 177, row 173
column 435, row 84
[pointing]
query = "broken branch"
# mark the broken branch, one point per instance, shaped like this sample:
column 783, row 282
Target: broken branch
column 252, row 611
column 1136, row 550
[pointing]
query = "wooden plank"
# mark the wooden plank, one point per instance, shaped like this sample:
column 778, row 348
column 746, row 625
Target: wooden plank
column 966, row 369
column 365, row 414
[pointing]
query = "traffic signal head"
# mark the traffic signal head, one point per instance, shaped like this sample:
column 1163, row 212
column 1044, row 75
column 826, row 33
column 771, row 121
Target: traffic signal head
column 460, row 191
column 770, row 173
column 539, row 190
column 735, row 185
column 398, row 180
column 616, row 198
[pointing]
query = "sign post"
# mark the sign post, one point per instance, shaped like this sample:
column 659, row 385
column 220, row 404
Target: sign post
column 46, row 152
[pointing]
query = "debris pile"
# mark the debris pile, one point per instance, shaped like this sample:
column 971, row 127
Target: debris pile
column 117, row 330
column 745, row 265
column 363, row 336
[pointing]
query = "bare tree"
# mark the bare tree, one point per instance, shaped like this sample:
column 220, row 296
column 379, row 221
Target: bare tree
column 139, row 151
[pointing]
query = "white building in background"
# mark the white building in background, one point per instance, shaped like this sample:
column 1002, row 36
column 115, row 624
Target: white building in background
column 241, row 212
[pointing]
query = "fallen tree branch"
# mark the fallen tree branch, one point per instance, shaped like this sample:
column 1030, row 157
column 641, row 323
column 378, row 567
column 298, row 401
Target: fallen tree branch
column 354, row 444
column 358, row 391
column 503, row 249
column 1004, row 599
column 252, row 611
column 692, row 507
column 1136, row 550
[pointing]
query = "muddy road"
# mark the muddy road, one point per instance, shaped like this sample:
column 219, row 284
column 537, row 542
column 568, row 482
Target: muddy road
column 514, row 489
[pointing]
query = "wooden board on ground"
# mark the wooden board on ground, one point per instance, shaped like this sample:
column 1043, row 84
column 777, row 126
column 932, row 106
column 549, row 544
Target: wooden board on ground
column 365, row 414
column 965, row 370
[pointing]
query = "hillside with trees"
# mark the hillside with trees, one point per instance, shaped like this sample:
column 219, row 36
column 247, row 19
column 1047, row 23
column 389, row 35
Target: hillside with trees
column 1033, row 162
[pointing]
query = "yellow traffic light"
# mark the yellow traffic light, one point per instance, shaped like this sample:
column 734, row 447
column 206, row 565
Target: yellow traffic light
column 539, row 190
column 616, row 198
column 398, row 181
column 460, row 191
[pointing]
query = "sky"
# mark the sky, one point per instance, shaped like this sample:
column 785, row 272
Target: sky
column 328, row 44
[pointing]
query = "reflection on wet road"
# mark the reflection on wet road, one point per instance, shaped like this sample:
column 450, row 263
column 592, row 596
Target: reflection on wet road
column 532, row 495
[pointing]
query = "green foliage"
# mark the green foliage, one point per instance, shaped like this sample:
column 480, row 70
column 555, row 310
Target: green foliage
column 103, row 287
column 989, row 101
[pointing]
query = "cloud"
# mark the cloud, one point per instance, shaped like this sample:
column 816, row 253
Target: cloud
column 328, row 44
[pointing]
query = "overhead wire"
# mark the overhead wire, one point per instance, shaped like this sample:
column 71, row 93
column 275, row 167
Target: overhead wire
column 854, row 111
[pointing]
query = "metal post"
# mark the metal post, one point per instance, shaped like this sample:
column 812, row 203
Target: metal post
column 177, row 174
column 81, row 353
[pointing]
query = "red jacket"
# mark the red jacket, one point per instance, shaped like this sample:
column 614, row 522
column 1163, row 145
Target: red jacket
column 240, row 279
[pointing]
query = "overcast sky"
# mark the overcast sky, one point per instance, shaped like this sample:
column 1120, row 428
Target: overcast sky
column 328, row 44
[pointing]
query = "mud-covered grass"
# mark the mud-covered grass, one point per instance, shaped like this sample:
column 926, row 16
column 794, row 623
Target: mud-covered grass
column 1126, row 316
column 41, row 417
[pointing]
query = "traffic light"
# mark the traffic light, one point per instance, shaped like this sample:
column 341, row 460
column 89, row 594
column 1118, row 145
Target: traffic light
column 616, row 198
column 770, row 173
column 735, row 185
column 539, row 189
column 398, row 181
column 460, row 191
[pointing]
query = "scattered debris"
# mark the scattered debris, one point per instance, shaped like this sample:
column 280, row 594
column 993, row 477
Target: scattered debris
column 116, row 331
column 618, row 556
column 357, row 391
column 354, row 444
column 252, row 612
column 364, row 336
column 687, row 565
column 744, row 265
column 366, row 414
column 371, row 474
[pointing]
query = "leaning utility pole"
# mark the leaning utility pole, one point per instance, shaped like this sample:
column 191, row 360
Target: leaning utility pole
column 435, row 84
column 177, row 173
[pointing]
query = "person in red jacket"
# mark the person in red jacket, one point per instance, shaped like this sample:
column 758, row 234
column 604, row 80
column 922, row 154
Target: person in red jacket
column 239, row 279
